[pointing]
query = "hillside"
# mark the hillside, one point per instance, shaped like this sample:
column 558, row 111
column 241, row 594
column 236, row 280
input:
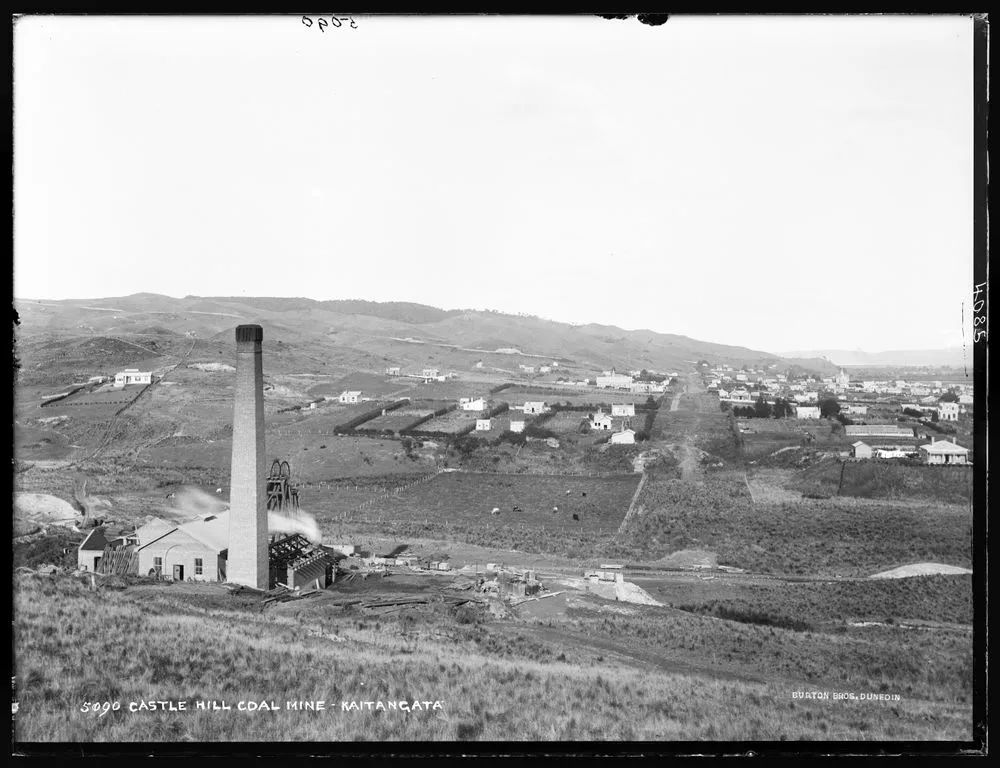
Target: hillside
column 952, row 356
column 372, row 334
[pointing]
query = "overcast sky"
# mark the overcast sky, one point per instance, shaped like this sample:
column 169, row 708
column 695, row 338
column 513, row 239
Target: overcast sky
column 778, row 183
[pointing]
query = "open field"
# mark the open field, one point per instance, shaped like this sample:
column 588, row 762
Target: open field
column 519, row 395
column 887, row 479
column 401, row 418
column 466, row 498
column 845, row 537
column 452, row 422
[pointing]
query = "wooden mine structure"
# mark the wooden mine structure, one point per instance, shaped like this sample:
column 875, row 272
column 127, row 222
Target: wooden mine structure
column 282, row 496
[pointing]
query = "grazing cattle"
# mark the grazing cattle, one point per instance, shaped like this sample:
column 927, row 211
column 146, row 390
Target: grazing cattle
column 517, row 508
column 218, row 490
column 495, row 511
column 576, row 516
column 170, row 496
column 568, row 492
column 555, row 509
column 584, row 493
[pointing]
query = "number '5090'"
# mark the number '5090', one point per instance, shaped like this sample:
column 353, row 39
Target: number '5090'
column 322, row 23
column 100, row 708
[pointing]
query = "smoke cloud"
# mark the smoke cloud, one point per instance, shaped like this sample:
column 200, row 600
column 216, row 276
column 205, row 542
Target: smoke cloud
column 193, row 503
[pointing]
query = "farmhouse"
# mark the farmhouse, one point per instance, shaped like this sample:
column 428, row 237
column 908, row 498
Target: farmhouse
column 527, row 368
column 965, row 399
column 861, row 450
column 625, row 437
column 601, row 421
column 948, row 411
column 544, row 368
column 353, row 396
column 892, row 452
column 132, row 376
column 472, row 404
column 855, row 410
column 430, row 373
column 484, row 425
column 807, row 412
column 517, row 425
column 535, row 407
column 740, row 396
column 393, row 370
column 943, row 452
column 623, row 409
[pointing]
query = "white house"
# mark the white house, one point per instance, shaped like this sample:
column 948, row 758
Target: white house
column 723, row 393
column 855, row 410
column 527, row 368
column 623, row 409
column 517, row 425
column 807, row 412
column 544, row 368
column 472, row 404
column 430, row 373
column 943, row 452
column 740, row 396
column 133, row 376
column 484, row 425
column 625, row 437
column 393, row 370
column 535, row 407
column 350, row 397
column 640, row 387
column 965, row 399
column 948, row 411
column 601, row 421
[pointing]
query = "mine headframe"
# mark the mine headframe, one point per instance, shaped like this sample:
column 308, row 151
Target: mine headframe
column 282, row 496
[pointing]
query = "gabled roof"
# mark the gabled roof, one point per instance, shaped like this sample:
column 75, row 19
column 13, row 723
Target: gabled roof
column 860, row 442
column 96, row 541
column 943, row 446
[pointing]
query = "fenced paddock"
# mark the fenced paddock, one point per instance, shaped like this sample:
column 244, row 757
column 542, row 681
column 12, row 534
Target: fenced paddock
column 464, row 498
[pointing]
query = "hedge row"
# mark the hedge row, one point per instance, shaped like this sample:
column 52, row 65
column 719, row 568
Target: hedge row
column 368, row 416
column 424, row 419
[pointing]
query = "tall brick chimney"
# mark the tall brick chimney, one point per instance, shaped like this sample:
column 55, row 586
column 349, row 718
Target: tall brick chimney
column 247, row 563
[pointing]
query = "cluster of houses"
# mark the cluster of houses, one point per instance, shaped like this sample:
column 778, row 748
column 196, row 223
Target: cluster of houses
column 603, row 422
column 743, row 387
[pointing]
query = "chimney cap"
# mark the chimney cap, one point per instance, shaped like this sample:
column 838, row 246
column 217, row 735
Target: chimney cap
column 253, row 333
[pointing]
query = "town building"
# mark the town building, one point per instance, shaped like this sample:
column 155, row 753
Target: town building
column 535, row 407
column 517, row 425
column 623, row 409
column 393, row 370
column 472, row 404
column 877, row 430
column 350, row 397
column 807, row 412
column 484, row 425
column 948, row 411
column 612, row 380
column 943, row 452
column 430, row 373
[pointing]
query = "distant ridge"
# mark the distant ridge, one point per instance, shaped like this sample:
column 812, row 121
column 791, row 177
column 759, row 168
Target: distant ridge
column 378, row 330
column 951, row 356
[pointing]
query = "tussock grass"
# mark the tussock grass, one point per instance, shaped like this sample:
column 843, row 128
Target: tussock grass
column 73, row 645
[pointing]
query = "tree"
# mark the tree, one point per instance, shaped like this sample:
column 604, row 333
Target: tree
column 762, row 410
column 782, row 408
column 829, row 408
column 948, row 397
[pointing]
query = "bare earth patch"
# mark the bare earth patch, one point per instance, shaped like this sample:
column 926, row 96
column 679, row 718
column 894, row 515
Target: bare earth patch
column 920, row 569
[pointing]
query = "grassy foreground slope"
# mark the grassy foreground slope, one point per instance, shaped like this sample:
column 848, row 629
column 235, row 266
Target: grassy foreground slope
column 73, row 645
